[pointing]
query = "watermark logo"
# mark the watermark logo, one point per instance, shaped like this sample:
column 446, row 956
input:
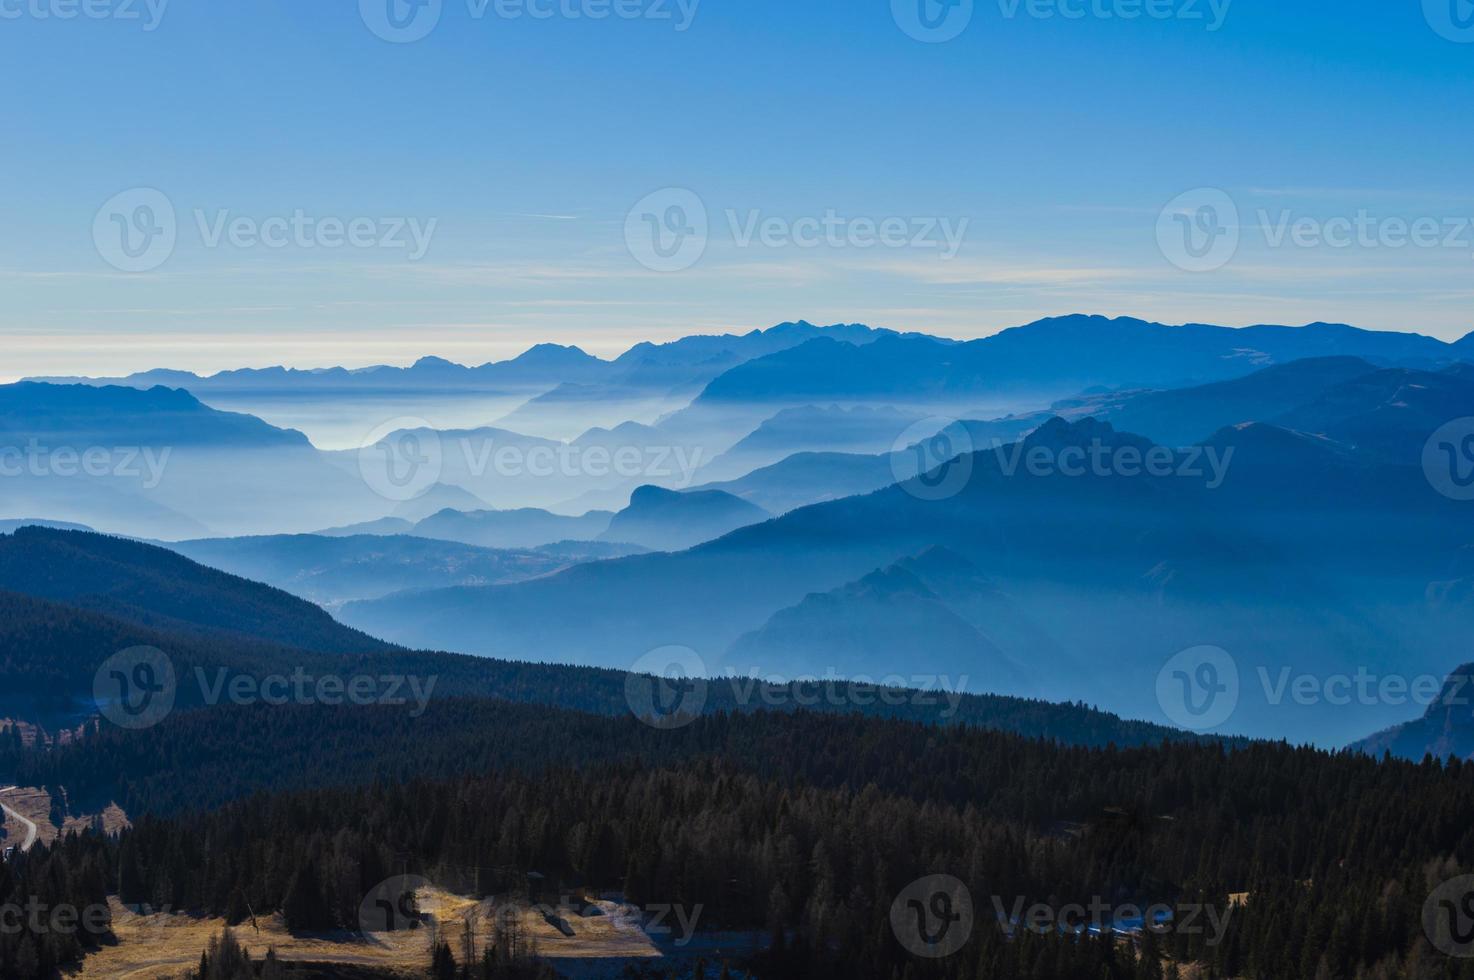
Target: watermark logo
column 942, row 235
column 1448, row 917
column 38, row 918
column 149, row 13
column 136, row 230
column 1100, row 459
column 300, row 687
column 667, row 230
column 400, row 21
column 401, row 459
column 392, row 905
column 773, row 691
column 1198, row 231
column 1198, row 689
column 667, row 687
column 1101, row 917
column 673, row 466
column 1448, row 459
column 933, row 916
column 1363, row 688
column 1210, row 13
column 933, row 459
column 932, row 21
column 135, row 688
column 1453, row 20
column 143, row 464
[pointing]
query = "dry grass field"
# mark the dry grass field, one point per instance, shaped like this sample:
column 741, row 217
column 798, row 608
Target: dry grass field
column 166, row 945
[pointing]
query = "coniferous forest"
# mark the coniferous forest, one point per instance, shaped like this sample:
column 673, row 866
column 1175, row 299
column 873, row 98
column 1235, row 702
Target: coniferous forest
column 806, row 827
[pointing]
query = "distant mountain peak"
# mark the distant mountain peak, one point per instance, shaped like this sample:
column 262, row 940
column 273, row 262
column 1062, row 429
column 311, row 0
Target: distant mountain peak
column 1058, row 433
column 554, row 354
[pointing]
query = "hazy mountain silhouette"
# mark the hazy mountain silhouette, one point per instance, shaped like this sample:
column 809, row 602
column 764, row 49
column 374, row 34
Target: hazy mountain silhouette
column 890, row 618
column 862, row 429
column 1050, row 358
column 522, row 528
column 544, row 364
column 8, row 527
column 1389, row 413
column 664, row 520
column 159, row 463
column 125, row 594
column 1185, row 416
column 81, row 415
column 158, row 589
column 1446, row 727
column 809, row 478
column 1125, row 570
column 333, row 570
column 440, row 496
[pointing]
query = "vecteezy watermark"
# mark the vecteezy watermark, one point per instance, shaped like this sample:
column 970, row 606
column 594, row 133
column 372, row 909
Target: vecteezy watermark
column 1210, row 13
column 138, row 688
column 666, row 920
column 401, row 458
column 667, row 688
column 936, row 21
column 1101, row 917
column 392, row 905
column 1448, row 459
column 933, row 458
column 1453, row 20
column 835, row 690
column 1198, row 689
column 146, row 464
column 1200, row 231
column 1448, row 917
column 1361, row 687
column 932, row 21
column 836, row 231
column 300, row 687
column 933, row 916
column 135, row 688
column 38, row 918
column 669, row 230
column 147, row 13
column 406, row 21
column 137, row 230
column 1103, row 460
column 400, row 21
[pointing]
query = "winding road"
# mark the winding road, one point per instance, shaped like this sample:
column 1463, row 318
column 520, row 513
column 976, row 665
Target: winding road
column 30, row 824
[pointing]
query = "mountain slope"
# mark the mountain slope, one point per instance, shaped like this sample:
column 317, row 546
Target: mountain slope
column 1389, row 413
column 1127, row 567
column 83, row 415
column 158, row 589
column 1043, row 361
column 522, row 528
column 159, row 463
column 1185, row 416
column 861, row 629
column 1445, row 729
column 664, row 520
column 333, row 570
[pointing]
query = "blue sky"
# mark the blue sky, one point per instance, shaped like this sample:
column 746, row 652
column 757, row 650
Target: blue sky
column 1047, row 146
